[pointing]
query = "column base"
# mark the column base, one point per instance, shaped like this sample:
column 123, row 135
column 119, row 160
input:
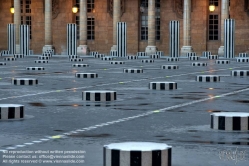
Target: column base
column 114, row 48
column 186, row 49
column 18, row 50
column 150, row 50
column 221, row 51
column 83, row 50
column 47, row 47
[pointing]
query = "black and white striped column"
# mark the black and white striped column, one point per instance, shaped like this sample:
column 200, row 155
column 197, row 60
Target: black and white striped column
column 35, row 68
column 213, row 56
column 113, row 53
column 206, row 54
column 71, row 39
column 174, row 38
column 240, row 73
column 169, row 67
column 2, row 63
column 24, row 81
column 199, row 64
column 163, row 85
column 172, row 59
column 93, row 53
column 86, row 75
column 11, row 111
column 189, row 54
column 147, row 61
column 133, row 70
column 142, row 54
column 243, row 55
column 242, row 60
column 230, row 121
column 24, row 39
column 137, row 154
column 229, row 29
column 11, row 38
column 208, row 78
column 222, row 61
column 122, row 39
column 99, row 95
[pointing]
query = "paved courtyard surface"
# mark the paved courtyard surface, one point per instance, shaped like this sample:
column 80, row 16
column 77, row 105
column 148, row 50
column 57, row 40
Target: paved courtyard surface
column 57, row 119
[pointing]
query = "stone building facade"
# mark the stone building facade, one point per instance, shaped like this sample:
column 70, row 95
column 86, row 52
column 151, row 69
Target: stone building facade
column 131, row 13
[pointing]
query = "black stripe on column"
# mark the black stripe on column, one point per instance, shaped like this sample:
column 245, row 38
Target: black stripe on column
column 162, row 86
column 11, row 113
column 221, row 123
column 169, row 156
column 108, row 96
column 88, row 96
column 0, row 114
column 171, row 85
column 135, row 158
column 115, row 95
column 115, row 157
column 212, row 121
column 97, row 96
column 21, row 112
column 236, row 123
column 153, row 85
column 104, row 155
column 156, row 158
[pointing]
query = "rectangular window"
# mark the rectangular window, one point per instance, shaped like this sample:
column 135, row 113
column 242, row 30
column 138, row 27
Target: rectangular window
column 26, row 14
column 157, row 27
column 77, row 21
column 213, row 27
column 144, row 28
column 90, row 28
column 90, row 5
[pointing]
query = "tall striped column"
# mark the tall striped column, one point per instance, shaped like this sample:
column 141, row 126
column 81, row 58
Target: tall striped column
column 83, row 49
column 151, row 48
column 229, row 29
column 71, row 39
column 224, row 15
column 24, row 39
column 186, row 28
column 122, row 39
column 48, row 26
column 174, row 28
column 17, row 22
column 11, row 38
column 116, row 19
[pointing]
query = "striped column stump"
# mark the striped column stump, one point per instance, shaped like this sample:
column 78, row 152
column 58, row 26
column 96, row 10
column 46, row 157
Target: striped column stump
column 43, row 57
column 169, row 67
column 93, row 53
column 213, row 57
column 131, row 57
column 99, row 95
column 208, row 78
column 163, row 85
column 241, row 60
column 141, row 54
column 117, row 62
column 47, row 54
column 76, row 60
column 113, row 53
column 99, row 55
column 206, row 54
column 73, row 56
column 190, row 54
column 172, row 59
column 147, row 61
column 80, row 65
column 24, row 81
column 230, row 121
column 154, row 56
column 2, row 63
column 160, row 53
column 35, row 68
column 137, row 154
column 50, row 51
column 86, row 75
column 222, row 61
column 243, row 55
column 11, row 111
column 240, row 73
column 193, row 58
column 18, row 56
column 199, row 64
column 9, row 59
column 107, row 58
column 41, row 61
column 133, row 70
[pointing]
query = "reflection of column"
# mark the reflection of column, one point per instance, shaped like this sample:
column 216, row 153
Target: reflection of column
column 17, row 22
column 83, row 48
column 224, row 15
column 187, row 28
column 116, row 19
column 151, row 48
column 48, row 26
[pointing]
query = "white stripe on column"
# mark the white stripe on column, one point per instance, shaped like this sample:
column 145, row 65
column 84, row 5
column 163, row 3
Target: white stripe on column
column 229, row 123
column 146, row 158
column 125, row 158
column 244, row 123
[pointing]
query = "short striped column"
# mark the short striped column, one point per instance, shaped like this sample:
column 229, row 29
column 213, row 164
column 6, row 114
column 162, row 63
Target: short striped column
column 18, row 56
column 240, row 73
column 121, row 39
column 208, row 78
column 230, row 121
column 206, row 54
column 222, row 62
column 11, row 111
column 73, row 56
column 107, row 58
column 199, row 64
column 133, row 70
column 241, row 60
column 5, row 52
column 160, row 53
column 47, row 54
column 170, row 67
column 213, row 57
column 50, row 51
column 86, row 75
column 76, row 60
column 2, row 63
column 141, row 54
column 24, row 39
column 93, row 53
column 147, row 61
column 190, row 54
column 71, row 39
column 41, row 61
column 174, row 28
column 80, row 65
column 117, row 62
column 24, row 81
column 131, row 57
column 163, row 85
column 9, row 59
column 137, row 154
column 35, row 68
column 193, row 58
column 229, row 28
column 99, row 95
column 172, row 59
column 154, row 56
column 113, row 53
column 99, row 55
column 243, row 55
column 11, row 38
column 43, row 57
